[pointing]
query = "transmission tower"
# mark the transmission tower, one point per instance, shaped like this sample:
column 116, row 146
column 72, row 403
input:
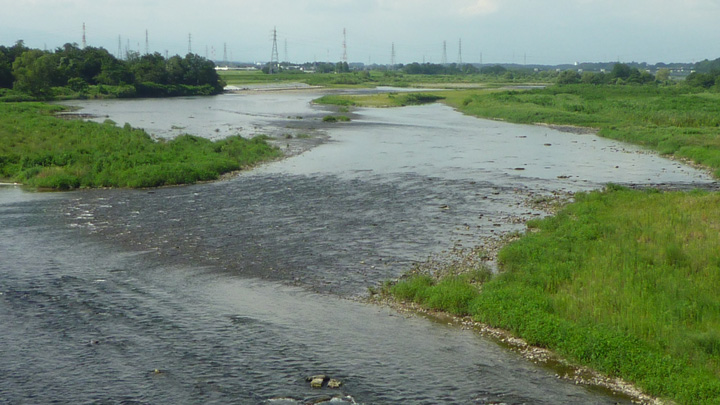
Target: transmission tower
column 190, row 43
column 274, row 57
column 287, row 58
column 444, row 54
column 119, row 53
column 344, row 46
column 84, row 42
column 460, row 52
column 392, row 57
column 147, row 43
column 225, row 59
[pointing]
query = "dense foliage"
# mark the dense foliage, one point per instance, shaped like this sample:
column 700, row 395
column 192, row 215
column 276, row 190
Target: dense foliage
column 41, row 150
column 706, row 75
column 72, row 71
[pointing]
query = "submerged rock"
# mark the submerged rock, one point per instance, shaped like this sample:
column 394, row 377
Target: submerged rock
column 317, row 382
column 333, row 383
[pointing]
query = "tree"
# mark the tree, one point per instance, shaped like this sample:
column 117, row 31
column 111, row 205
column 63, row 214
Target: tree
column 6, row 77
column 593, row 78
column 663, row 75
column 150, row 68
column 492, row 70
column 34, row 72
column 704, row 80
column 621, row 71
column 568, row 77
column 7, row 58
column 200, row 71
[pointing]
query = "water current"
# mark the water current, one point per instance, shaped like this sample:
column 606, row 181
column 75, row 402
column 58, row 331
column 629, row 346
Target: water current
column 236, row 291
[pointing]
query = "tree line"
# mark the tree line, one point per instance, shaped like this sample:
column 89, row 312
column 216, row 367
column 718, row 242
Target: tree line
column 47, row 74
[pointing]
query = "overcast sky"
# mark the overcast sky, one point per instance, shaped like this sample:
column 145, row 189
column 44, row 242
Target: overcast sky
column 492, row 31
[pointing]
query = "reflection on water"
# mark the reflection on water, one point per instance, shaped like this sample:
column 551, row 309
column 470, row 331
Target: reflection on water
column 209, row 293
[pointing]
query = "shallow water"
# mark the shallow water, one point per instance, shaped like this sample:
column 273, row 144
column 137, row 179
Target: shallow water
column 235, row 291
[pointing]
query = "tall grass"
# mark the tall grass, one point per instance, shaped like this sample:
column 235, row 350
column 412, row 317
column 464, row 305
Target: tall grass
column 624, row 281
column 40, row 150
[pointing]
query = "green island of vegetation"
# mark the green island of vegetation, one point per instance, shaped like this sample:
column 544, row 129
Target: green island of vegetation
column 41, row 150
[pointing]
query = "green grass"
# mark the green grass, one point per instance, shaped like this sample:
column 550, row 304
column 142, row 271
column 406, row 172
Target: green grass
column 623, row 281
column 674, row 120
column 43, row 151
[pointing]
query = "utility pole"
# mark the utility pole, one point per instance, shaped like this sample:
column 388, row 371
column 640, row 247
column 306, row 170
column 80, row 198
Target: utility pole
column 274, row 57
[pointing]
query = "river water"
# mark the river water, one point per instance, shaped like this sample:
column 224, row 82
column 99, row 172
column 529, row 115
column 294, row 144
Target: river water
column 235, row 291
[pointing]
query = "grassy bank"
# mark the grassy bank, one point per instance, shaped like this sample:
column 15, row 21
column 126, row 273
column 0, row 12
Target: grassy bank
column 624, row 281
column 40, row 150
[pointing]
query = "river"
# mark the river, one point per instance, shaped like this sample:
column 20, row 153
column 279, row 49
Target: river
column 236, row 291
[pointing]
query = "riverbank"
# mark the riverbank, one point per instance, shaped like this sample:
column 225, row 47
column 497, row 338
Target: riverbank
column 618, row 280
column 483, row 258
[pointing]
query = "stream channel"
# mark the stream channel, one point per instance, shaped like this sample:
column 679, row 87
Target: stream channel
column 235, row 291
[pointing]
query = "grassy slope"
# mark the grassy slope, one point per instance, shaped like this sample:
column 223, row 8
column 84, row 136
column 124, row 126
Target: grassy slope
column 40, row 150
column 624, row 281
